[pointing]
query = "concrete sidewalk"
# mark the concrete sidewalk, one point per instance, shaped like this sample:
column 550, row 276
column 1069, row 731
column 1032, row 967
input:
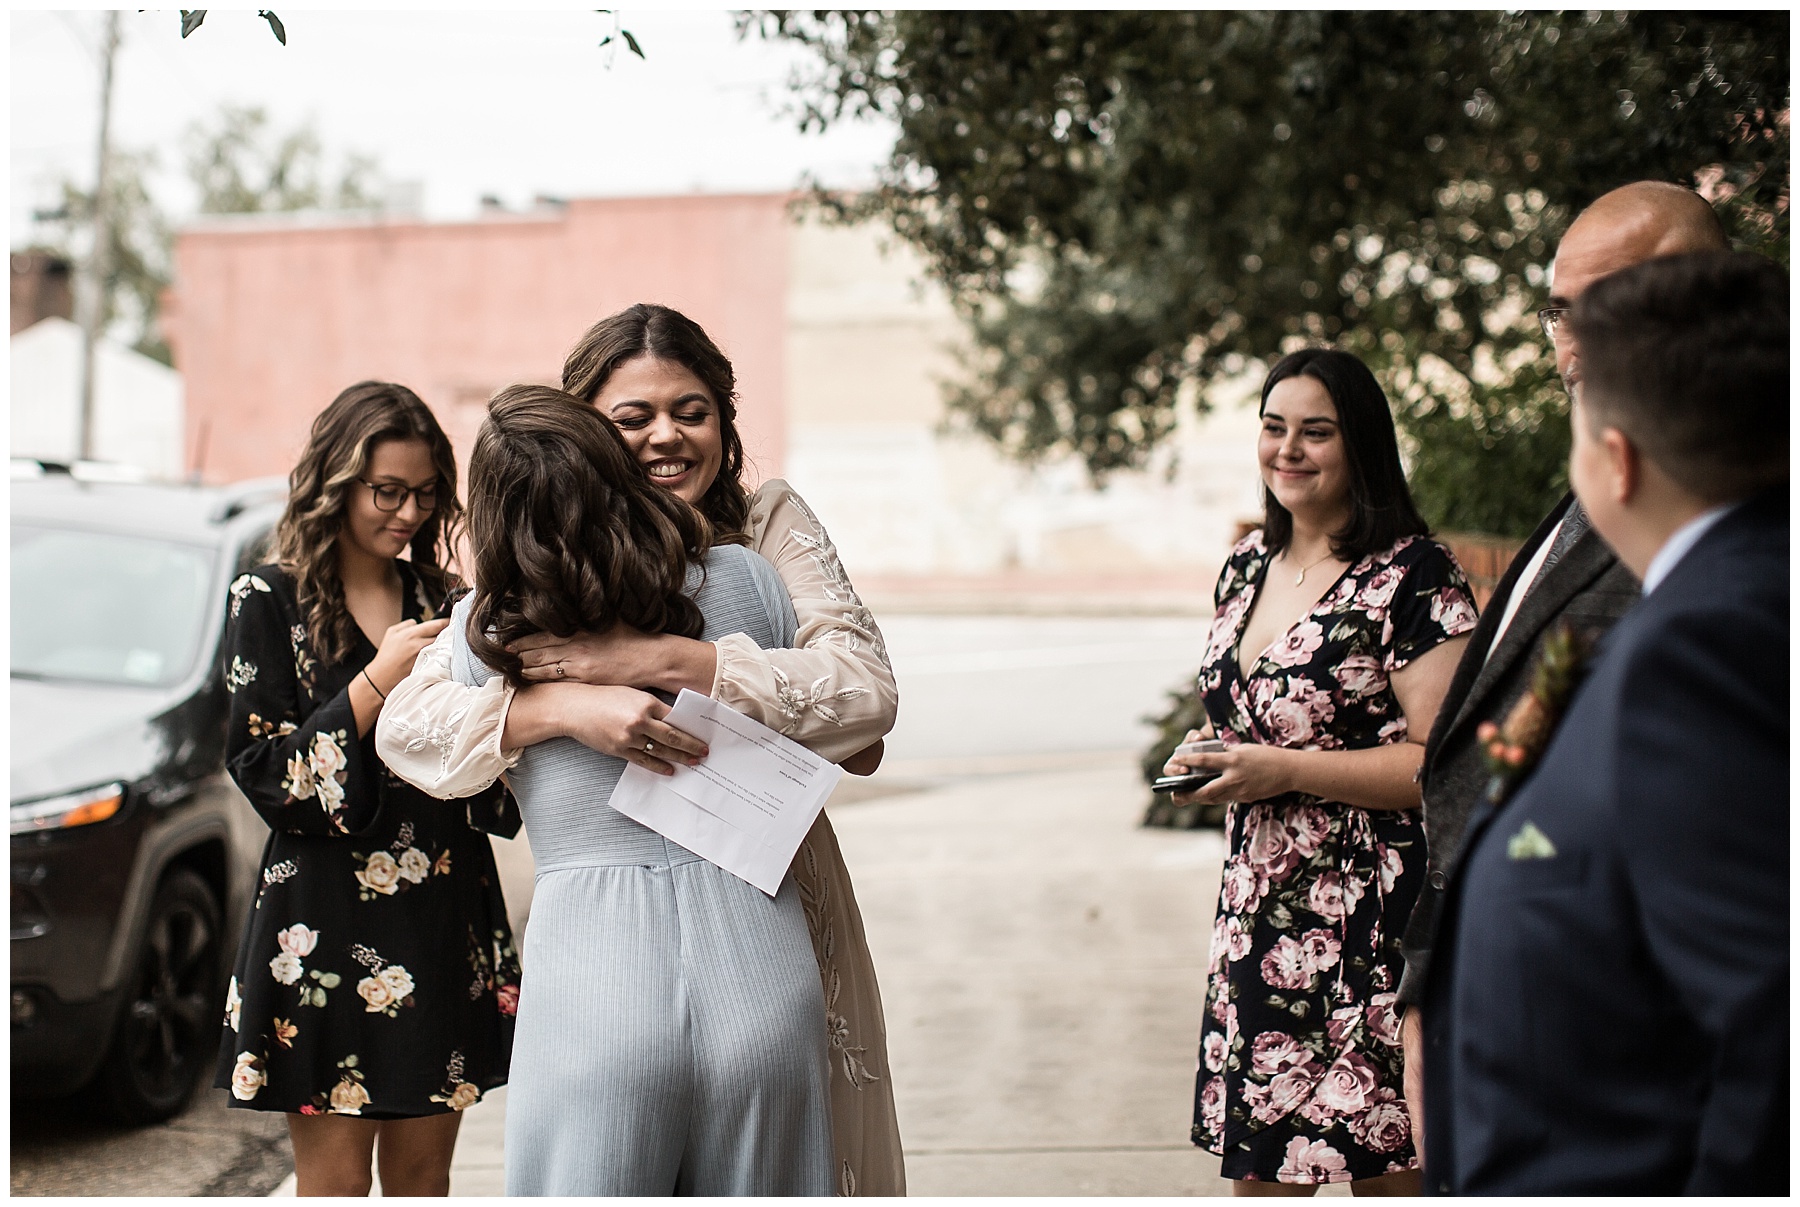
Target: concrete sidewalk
column 1042, row 962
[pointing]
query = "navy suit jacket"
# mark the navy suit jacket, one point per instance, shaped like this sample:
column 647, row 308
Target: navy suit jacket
column 1612, row 1017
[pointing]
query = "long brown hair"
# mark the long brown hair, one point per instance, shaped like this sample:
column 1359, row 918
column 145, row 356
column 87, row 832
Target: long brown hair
column 567, row 531
column 337, row 453
column 647, row 329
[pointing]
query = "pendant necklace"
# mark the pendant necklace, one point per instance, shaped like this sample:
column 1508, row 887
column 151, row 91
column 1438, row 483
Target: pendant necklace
column 1301, row 577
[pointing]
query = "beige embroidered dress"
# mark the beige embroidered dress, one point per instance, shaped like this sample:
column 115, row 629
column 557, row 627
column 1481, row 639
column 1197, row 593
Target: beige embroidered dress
column 833, row 693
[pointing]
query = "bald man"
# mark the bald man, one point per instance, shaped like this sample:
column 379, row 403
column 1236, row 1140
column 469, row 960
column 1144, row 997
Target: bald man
column 1631, row 224
column 1607, row 1011
column 1564, row 571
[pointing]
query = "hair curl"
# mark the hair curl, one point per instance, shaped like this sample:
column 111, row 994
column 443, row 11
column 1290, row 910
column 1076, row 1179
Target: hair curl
column 647, row 329
column 567, row 531
column 344, row 436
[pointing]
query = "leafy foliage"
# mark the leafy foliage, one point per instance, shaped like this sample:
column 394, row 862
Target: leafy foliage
column 1122, row 202
column 619, row 33
column 243, row 166
column 138, row 266
column 240, row 166
column 1490, row 459
column 191, row 19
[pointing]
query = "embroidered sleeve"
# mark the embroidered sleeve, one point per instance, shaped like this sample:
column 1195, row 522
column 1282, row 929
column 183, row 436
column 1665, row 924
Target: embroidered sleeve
column 441, row 736
column 301, row 766
column 834, row 692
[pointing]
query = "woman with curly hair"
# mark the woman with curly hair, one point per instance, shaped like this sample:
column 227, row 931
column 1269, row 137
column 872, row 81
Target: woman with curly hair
column 668, row 1035
column 374, row 988
column 672, row 396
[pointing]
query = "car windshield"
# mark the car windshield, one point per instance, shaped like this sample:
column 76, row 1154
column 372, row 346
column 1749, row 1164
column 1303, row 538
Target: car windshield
column 106, row 607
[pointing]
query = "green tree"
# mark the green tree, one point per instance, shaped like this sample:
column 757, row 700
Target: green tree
column 138, row 268
column 1119, row 203
column 241, row 165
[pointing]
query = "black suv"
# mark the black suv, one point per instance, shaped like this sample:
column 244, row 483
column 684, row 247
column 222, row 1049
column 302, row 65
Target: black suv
column 133, row 854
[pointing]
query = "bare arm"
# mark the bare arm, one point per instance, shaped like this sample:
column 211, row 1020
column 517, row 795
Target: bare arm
column 622, row 657
column 1377, row 778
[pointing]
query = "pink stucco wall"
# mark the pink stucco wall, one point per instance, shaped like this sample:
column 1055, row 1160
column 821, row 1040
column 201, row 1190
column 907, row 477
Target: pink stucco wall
column 269, row 322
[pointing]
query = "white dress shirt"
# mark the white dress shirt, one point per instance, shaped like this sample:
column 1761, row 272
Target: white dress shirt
column 1527, row 576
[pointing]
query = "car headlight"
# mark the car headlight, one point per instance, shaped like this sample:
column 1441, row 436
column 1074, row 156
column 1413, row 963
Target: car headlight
column 68, row 810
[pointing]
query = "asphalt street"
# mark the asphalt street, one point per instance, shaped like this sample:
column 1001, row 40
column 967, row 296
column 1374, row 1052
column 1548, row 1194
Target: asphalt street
column 58, row 1148
column 1011, row 687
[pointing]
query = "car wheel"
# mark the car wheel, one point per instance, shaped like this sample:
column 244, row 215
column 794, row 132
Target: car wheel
column 169, row 1027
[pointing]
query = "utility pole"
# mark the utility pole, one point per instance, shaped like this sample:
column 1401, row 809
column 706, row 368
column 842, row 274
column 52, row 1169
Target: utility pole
column 99, row 260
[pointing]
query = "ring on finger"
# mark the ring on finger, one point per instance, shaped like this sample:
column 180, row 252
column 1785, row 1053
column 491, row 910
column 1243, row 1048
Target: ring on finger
column 560, row 673
column 649, row 746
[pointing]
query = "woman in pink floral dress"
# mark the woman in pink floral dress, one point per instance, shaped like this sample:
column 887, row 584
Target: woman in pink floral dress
column 1339, row 623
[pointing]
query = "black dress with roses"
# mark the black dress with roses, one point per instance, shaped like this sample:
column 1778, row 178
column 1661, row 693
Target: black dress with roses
column 377, row 974
column 1300, row 1064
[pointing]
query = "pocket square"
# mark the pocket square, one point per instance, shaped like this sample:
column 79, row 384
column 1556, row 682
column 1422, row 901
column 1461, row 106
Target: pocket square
column 1530, row 843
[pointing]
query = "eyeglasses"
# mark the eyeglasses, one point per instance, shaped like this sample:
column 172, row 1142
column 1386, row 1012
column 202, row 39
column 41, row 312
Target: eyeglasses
column 391, row 496
column 1551, row 319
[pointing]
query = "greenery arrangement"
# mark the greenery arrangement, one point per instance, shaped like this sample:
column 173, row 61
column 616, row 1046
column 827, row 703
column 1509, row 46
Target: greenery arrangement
column 1124, row 204
column 1120, row 203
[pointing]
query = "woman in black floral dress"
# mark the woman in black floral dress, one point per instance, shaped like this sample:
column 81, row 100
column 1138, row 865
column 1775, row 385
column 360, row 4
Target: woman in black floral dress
column 373, row 992
column 1339, row 623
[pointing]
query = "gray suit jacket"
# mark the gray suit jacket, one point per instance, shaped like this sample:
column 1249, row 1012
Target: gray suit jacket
column 1588, row 587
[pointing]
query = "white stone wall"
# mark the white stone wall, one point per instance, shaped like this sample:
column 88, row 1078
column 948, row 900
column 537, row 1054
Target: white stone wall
column 137, row 401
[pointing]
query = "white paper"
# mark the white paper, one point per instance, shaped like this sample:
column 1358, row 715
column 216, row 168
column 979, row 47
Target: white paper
column 746, row 807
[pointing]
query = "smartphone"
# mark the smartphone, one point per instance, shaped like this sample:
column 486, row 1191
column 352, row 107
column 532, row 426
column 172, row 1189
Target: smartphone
column 1192, row 779
column 1184, row 783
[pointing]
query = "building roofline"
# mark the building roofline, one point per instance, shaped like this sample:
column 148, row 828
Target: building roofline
column 351, row 220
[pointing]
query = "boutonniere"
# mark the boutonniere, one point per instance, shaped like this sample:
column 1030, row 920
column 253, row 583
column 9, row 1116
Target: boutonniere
column 1514, row 746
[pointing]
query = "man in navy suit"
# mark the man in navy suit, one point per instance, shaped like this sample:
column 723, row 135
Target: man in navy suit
column 1607, row 1009
column 1563, row 574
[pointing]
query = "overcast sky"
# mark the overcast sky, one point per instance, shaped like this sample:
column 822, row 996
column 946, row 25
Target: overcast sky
column 465, row 103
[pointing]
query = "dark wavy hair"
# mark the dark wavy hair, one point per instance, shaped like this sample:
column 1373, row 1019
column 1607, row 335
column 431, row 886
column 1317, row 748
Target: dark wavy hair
column 1382, row 509
column 337, row 453
column 567, row 531
column 647, row 329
